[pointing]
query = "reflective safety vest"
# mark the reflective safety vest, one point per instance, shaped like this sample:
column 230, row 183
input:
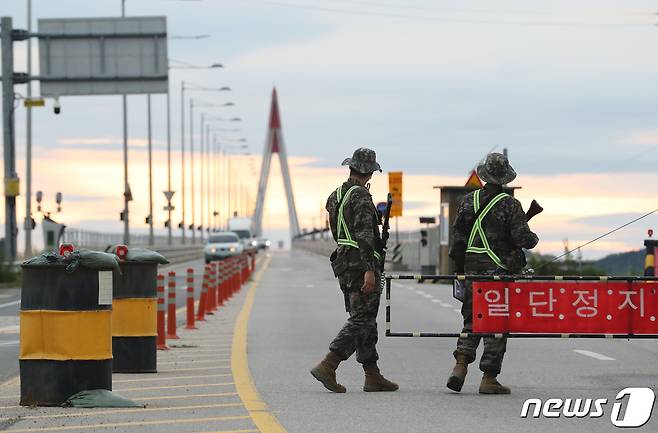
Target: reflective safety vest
column 346, row 238
column 477, row 229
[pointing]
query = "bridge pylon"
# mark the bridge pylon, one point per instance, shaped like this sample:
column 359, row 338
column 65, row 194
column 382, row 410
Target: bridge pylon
column 274, row 143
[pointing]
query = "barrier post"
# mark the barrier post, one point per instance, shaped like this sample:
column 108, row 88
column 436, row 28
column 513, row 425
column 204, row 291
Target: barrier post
column 212, row 301
column 162, row 345
column 171, row 313
column 220, row 283
column 253, row 263
column 201, row 310
column 190, row 299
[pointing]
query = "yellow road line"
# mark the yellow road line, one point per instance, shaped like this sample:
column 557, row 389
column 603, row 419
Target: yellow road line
column 131, row 424
column 153, row 388
column 155, row 379
column 172, row 397
column 129, row 410
column 244, row 384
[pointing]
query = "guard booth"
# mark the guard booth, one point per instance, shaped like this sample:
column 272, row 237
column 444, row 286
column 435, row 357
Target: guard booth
column 451, row 196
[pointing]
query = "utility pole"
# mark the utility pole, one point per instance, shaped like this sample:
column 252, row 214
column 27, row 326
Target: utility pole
column 27, row 226
column 9, row 144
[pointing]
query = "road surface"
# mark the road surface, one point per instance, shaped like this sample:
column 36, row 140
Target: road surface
column 299, row 309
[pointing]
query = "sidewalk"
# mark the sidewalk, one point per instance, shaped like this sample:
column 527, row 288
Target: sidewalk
column 203, row 384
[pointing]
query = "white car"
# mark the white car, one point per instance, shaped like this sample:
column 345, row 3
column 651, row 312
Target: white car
column 222, row 245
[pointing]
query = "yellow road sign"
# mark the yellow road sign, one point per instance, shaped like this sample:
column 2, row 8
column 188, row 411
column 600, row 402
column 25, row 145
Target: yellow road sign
column 395, row 188
column 474, row 181
column 34, row 102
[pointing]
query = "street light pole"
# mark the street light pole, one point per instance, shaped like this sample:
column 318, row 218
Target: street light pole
column 201, row 156
column 192, row 168
column 126, row 187
column 150, row 151
column 169, row 239
column 182, row 156
column 28, row 143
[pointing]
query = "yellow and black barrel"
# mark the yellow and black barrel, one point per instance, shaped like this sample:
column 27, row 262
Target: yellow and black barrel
column 134, row 318
column 65, row 333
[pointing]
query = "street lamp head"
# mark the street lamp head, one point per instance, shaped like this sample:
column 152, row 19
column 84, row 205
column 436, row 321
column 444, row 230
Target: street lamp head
column 229, row 104
column 216, row 65
column 224, row 89
column 236, row 119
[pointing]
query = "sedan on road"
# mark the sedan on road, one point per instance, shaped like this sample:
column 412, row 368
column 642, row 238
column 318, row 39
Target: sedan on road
column 222, row 245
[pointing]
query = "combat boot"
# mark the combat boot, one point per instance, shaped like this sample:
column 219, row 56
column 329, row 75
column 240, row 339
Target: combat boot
column 375, row 382
column 490, row 385
column 325, row 372
column 458, row 375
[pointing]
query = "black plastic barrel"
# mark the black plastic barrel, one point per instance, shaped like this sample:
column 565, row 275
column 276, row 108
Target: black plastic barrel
column 134, row 318
column 65, row 333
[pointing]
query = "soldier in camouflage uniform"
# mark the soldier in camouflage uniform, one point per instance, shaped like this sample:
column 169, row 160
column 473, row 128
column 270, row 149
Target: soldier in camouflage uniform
column 492, row 247
column 357, row 264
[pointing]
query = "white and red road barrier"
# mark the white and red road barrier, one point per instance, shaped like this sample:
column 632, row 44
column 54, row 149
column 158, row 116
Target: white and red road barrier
column 171, row 312
column 190, row 300
column 221, row 280
column 161, row 338
column 528, row 306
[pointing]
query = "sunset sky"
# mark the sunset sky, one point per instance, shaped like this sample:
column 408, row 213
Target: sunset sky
column 569, row 88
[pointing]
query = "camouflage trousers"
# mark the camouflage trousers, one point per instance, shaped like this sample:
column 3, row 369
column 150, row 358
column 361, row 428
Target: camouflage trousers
column 494, row 348
column 359, row 333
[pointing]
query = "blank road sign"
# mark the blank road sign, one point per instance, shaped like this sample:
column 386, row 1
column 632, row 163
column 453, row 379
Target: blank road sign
column 395, row 188
column 103, row 56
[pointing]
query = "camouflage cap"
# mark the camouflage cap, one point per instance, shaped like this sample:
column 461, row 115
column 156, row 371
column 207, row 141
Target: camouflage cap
column 496, row 169
column 363, row 160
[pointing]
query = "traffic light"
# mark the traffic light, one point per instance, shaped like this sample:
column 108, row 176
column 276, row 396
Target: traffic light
column 33, row 223
column 180, row 225
column 190, row 227
column 147, row 220
column 166, row 223
column 121, row 217
column 423, row 238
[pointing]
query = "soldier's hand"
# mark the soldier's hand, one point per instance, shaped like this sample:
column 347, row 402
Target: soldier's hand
column 368, row 282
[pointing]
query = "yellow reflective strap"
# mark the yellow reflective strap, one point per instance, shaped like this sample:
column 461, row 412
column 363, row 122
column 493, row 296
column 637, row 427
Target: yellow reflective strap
column 66, row 335
column 341, row 219
column 134, row 317
column 478, row 230
column 377, row 255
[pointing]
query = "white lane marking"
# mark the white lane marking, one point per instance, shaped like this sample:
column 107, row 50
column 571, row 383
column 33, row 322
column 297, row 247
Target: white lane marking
column 594, row 355
column 446, row 305
column 309, row 286
column 10, row 343
column 9, row 304
column 427, row 295
column 436, row 300
column 420, row 292
column 5, row 295
column 457, row 311
column 9, row 330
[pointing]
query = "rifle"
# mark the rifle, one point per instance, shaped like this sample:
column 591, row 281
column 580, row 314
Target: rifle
column 386, row 227
column 534, row 209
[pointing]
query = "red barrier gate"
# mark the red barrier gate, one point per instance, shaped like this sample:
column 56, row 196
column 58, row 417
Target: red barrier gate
column 603, row 307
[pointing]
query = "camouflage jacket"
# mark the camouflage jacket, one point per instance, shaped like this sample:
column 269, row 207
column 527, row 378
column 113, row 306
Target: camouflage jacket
column 362, row 221
column 505, row 227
